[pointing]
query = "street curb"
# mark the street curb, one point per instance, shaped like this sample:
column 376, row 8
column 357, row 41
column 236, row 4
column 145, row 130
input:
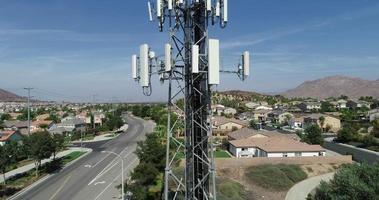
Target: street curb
column 107, row 139
column 48, row 176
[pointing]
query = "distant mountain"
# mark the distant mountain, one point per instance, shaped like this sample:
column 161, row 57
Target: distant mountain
column 9, row 96
column 334, row 86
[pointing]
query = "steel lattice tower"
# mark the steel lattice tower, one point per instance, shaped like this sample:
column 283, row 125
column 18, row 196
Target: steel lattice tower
column 187, row 69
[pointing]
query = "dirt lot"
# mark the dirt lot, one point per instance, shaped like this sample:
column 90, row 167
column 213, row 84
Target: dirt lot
column 256, row 192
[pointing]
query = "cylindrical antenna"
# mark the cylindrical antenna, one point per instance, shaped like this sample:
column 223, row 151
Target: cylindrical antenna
column 134, row 66
column 169, row 4
column 209, row 5
column 150, row 11
column 167, row 57
column 159, row 9
column 218, row 7
column 225, row 11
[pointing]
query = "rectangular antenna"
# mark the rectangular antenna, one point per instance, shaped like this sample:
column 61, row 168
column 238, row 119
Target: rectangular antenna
column 159, row 8
column 195, row 59
column 167, row 58
column 225, row 10
column 214, row 62
column 134, row 66
column 218, row 7
column 150, row 11
column 169, row 4
column 144, row 64
column 209, row 5
column 246, row 63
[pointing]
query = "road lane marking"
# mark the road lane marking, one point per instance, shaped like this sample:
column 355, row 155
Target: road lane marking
column 115, row 179
column 107, row 168
column 100, row 182
column 61, row 187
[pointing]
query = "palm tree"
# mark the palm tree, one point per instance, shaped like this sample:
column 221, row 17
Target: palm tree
column 322, row 121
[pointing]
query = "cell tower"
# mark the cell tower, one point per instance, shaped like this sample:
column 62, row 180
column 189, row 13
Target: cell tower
column 191, row 66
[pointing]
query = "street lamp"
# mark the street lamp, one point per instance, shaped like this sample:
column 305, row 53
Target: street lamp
column 122, row 171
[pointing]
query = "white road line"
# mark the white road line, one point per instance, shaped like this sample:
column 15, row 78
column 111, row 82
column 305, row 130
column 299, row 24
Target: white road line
column 115, row 180
column 100, row 161
column 60, row 188
column 107, row 168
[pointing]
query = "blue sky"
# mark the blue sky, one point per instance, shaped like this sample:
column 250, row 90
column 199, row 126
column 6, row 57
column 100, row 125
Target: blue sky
column 72, row 49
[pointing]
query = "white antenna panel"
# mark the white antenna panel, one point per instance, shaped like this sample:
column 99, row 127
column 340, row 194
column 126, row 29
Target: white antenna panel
column 167, row 58
column 134, row 66
column 225, row 10
column 246, row 63
column 209, row 5
column 150, row 12
column 169, row 4
column 218, row 8
column 195, row 59
column 144, row 64
column 214, row 62
column 159, row 8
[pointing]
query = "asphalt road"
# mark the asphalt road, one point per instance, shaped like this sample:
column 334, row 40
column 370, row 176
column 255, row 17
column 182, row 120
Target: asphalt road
column 96, row 175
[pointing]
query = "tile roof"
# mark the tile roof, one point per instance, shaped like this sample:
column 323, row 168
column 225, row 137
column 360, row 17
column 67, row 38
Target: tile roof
column 276, row 144
column 246, row 133
column 5, row 135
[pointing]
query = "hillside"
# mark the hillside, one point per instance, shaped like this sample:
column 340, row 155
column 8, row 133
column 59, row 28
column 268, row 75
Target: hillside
column 334, row 86
column 9, row 96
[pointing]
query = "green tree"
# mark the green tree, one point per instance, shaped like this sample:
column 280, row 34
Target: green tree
column 57, row 143
column 353, row 182
column 5, row 117
column 375, row 130
column 40, row 146
column 313, row 135
column 322, row 122
column 7, row 158
column 346, row 134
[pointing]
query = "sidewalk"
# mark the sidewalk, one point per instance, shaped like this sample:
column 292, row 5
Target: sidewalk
column 107, row 136
column 301, row 190
column 31, row 166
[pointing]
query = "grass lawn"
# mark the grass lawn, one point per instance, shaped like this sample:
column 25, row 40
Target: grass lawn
column 72, row 156
column 217, row 154
column 278, row 177
column 228, row 189
column 221, row 154
column 21, row 181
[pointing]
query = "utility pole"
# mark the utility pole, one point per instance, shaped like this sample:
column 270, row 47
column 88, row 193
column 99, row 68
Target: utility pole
column 93, row 113
column 191, row 66
column 28, row 89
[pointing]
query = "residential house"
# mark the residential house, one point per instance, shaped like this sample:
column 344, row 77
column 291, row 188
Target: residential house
column 296, row 123
column 222, row 125
column 68, row 125
column 21, row 126
column 280, row 116
column 354, row 104
column 218, row 109
column 263, row 107
column 252, row 105
column 245, row 116
column 9, row 135
column 332, row 122
column 230, row 111
column 39, row 125
column 246, row 143
column 309, row 106
column 373, row 114
column 261, row 115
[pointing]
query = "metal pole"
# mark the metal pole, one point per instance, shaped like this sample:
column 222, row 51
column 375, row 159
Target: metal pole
column 28, row 89
column 167, row 169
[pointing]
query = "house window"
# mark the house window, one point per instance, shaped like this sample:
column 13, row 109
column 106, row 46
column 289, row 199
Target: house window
column 297, row 154
column 285, row 155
